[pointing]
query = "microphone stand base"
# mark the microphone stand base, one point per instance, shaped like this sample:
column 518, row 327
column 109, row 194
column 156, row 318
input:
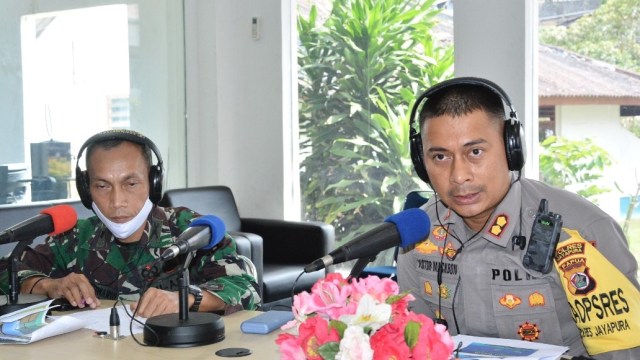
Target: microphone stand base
column 24, row 301
column 169, row 330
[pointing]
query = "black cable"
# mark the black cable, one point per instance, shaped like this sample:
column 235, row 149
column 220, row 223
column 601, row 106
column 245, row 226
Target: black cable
column 453, row 310
column 440, row 319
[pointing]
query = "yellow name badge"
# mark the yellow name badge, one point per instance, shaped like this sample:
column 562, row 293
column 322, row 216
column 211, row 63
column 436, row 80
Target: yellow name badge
column 605, row 304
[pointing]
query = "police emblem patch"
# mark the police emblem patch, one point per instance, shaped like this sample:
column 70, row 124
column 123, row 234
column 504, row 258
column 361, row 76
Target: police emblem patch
column 528, row 331
column 439, row 233
column 576, row 271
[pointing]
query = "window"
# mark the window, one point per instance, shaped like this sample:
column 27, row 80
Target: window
column 70, row 69
column 355, row 94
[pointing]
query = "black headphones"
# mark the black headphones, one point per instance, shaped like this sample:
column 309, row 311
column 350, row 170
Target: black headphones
column 513, row 132
column 156, row 172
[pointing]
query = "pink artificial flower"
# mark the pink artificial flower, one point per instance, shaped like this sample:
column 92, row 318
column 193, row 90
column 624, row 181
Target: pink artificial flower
column 330, row 296
column 303, row 305
column 370, row 304
column 388, row 343
column 380, row 289
column 313, row 333
column 434, row 341
column 401, row 306
column 289, row 347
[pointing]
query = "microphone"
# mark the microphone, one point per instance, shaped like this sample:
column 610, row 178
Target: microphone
column 53, row 221
column 204, row 232
column 404, row 228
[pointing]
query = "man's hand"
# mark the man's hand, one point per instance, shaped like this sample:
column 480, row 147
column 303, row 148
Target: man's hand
column 157, row 302
column 73, row 287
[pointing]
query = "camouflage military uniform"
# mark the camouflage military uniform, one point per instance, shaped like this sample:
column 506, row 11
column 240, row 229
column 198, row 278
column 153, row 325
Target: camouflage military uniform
column 118, row 269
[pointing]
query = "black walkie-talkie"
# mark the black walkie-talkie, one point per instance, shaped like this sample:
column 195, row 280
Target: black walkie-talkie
column 545, row 235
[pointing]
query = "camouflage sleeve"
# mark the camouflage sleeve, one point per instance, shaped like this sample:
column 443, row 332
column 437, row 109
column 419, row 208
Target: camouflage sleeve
column 57, row 256
column 224, row 274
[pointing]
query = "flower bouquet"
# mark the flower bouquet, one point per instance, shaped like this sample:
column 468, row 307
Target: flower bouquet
column 362, row 319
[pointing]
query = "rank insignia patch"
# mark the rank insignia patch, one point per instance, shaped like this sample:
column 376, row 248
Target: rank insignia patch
column 529, row 332
column 499, row 224
column 536, row 299
column 510, row 301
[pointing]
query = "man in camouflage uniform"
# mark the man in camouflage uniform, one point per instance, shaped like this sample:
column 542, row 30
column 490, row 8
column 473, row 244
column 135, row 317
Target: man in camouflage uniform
column 116, row 253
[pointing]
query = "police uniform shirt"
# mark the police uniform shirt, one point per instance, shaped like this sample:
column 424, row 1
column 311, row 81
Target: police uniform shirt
column 479, row 285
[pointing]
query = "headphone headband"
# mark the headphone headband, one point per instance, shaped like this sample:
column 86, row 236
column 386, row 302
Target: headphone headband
column 156, row 172
column 513, row 133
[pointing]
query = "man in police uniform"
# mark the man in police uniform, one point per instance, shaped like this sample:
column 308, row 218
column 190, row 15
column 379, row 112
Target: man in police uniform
column 469, row 272
column 116, row 253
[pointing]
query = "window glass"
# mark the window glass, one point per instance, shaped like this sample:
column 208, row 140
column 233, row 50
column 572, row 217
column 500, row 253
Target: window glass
column 588, row 93
column 360, row 68
column 69, row 69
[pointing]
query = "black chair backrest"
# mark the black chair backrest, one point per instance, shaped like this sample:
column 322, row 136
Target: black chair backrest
column 207, row 200
column 416, row 198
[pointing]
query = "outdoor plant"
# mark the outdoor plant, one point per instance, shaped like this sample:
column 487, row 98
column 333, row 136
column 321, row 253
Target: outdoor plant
column 359, row 72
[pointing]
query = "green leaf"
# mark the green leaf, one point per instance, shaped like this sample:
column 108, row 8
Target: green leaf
column 411, row 333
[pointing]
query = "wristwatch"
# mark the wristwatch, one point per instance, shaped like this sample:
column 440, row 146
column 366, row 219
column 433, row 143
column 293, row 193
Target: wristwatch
column 197, row 294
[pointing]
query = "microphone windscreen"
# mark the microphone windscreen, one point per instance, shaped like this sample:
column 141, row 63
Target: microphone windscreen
column 413, row 225
column 216, row 226
column 64, row 218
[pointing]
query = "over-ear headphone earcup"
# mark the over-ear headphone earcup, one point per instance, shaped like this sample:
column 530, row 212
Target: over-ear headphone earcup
column 82, row 185
column 415, row 146
column 155, row 183
column 514, row 144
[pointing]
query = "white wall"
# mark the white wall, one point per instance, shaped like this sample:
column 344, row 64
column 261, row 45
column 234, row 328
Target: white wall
column 495, row 39
column 238, row 122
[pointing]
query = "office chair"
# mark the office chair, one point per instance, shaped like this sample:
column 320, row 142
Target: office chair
column 279, row 249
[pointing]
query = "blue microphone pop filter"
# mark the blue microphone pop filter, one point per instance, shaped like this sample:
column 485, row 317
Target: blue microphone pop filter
column 413, row 225
column 216, row 226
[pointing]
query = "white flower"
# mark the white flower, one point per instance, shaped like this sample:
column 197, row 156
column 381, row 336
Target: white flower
column 369, row 314
column 355, row 345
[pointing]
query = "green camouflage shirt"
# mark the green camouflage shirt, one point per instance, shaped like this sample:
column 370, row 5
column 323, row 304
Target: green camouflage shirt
column 117, row 269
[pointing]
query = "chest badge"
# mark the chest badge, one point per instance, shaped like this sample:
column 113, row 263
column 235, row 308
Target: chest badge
column 529, row 332
column 439, row 233
column 428, row 289
column 445, row 291
column 536, row 299
column 510, row 301
column 426, row 247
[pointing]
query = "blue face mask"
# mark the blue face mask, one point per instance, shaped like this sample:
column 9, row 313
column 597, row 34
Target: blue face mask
column 124, row 230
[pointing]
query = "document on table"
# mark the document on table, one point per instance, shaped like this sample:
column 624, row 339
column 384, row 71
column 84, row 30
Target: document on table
column 98, row 320
column 30, row 324
column 483, row 348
